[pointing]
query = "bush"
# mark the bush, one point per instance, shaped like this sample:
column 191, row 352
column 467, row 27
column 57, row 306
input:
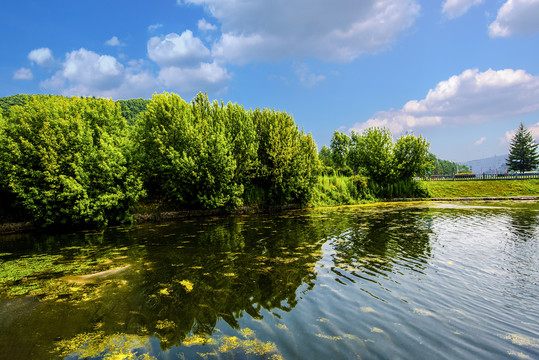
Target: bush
column 67, row 161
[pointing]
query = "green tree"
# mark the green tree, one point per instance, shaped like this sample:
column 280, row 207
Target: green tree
column 184, row 154
column 288, row 160
column 325, row 156
column 68, row 161
column 372, row 153
column 446, row 167
column 522, row 151
column 411, row 157
column 241, row 134
column 340, row 147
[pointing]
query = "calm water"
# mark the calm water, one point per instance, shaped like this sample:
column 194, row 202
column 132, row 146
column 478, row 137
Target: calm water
column 405, row 281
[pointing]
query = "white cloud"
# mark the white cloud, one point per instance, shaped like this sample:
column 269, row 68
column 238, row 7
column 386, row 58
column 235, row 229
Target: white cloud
column 23, row 74
column 113, row 41
column 456, row 8
column 96, row 71
column 206, row 77
column 177, row 50
column 307, row 78
column 480, row 141
column 470, row 97
column 516, row 17
column 332, row 31
column 205, row 26
column 41, row 56
column 154, row 27
column 87, row 73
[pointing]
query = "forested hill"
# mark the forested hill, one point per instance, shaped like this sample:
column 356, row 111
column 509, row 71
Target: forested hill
column 131, row 108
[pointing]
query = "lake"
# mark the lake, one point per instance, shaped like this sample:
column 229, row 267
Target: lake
column 382, row 281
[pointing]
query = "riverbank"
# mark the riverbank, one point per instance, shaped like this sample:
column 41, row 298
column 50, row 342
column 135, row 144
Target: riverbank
column 508, row 190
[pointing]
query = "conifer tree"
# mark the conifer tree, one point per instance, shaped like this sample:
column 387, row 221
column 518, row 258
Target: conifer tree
column 523, row 151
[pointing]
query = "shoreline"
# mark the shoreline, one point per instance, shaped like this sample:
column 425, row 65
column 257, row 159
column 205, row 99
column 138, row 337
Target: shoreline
column 26, row 226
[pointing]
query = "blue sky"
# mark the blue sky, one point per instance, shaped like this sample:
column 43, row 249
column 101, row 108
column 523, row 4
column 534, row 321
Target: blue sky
column 463, row 73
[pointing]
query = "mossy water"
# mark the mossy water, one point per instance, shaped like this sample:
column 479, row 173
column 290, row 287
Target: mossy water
column 417, row 280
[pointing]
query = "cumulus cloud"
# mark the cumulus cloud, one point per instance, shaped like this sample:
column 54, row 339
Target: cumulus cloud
column 470, row 97
column 96, row 71
column 332, row 31
column 205, row 26
column 177, row 50
column 41, row 56
column 23, row 74
column 206, row 77
column 113, row 41
column 516, row 17
column 456, row 8
column 87, row 73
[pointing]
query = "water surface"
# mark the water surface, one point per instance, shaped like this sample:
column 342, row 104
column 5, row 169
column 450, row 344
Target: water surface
column 408, row 281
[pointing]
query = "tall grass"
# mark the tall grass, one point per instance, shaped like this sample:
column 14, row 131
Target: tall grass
column 331, row 190
column 342, row 190
column 400, row 189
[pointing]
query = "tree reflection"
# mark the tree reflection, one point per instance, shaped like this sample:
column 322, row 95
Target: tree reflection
column 378, row 238
column 184, row 278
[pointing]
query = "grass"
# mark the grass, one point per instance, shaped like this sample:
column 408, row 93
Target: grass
column 494, row 188
column 335, row 190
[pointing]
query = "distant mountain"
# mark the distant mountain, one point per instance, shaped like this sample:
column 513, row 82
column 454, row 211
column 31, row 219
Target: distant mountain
column 491, row 165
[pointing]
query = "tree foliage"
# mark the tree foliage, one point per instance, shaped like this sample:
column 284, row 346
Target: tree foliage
column 68, row 161
column 288, row 159
column 446, row 167
column 205, row 154
column 522, row 151
column 184, row 154
column 340, row 147
column 133, row 109
column 411, row 156
column 372, row 153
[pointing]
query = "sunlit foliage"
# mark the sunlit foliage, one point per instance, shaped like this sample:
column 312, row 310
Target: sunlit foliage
column 67, row 161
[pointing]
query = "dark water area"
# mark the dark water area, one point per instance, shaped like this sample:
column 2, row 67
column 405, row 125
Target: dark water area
column 401, row 281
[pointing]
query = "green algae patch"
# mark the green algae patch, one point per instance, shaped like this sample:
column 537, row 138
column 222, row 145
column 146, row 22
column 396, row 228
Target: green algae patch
column 522, row 340
column 75, row 274
column 107, row 347
column 518, row 355
column 244, row 346
column 334, row 338
column 187, row 285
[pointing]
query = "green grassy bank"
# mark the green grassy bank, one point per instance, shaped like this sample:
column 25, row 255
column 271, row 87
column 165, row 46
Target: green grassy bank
column 499, row 188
